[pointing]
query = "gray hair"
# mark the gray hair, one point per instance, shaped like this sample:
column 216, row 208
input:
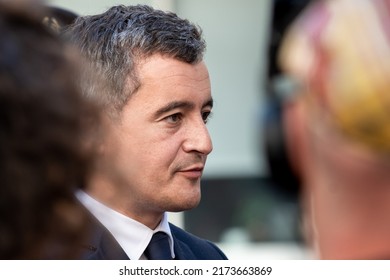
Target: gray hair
column 116, row 40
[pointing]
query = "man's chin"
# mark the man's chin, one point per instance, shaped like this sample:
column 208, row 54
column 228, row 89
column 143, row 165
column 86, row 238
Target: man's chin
column 184, row 205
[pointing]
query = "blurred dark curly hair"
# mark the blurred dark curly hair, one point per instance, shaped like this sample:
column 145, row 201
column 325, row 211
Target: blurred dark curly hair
column 44, row 154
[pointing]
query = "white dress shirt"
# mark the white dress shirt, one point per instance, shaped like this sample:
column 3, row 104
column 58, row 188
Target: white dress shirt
column 131, row 235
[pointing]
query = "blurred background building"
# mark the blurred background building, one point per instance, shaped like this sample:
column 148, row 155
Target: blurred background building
column 244, row 209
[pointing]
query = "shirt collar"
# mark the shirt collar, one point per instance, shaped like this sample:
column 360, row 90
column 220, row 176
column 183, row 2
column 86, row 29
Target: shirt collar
column 131, row 235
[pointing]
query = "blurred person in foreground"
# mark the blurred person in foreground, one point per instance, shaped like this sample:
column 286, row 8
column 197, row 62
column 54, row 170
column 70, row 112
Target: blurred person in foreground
column 157, row 101
column 57, row 18
column 44, row 154
column 338, row 125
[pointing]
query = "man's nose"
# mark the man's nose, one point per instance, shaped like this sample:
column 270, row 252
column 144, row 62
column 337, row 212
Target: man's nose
column 198, row 139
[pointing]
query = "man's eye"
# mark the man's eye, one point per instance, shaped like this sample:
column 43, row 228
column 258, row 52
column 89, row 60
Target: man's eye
column 206, row 116
column 175, row 118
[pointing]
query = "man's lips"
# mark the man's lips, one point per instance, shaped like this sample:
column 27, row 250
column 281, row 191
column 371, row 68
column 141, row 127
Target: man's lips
column 193, row 172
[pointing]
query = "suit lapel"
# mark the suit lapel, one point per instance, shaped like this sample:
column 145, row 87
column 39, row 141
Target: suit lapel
column 182, row 250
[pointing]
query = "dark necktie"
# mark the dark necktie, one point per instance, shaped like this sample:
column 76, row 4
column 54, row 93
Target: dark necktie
column 158, row 248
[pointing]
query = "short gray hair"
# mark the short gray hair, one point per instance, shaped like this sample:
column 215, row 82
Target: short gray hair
column 114, row 41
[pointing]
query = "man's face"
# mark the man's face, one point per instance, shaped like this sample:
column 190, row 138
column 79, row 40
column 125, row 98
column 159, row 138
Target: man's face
column 158, row 148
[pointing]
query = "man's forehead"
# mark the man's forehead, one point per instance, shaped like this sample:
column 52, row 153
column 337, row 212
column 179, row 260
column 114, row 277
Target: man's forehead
column 160, row 66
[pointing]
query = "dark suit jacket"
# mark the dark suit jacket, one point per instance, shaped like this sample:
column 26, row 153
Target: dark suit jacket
column 103, row 246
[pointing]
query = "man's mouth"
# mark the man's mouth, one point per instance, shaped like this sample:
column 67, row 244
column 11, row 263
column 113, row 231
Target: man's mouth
column 192, row 172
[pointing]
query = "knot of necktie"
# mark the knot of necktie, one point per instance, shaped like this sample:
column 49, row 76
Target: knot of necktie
column 158, row 248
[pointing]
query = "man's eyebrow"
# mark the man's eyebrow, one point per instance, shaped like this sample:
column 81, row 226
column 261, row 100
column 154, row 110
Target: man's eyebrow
column 181, row 104
column 172, row 106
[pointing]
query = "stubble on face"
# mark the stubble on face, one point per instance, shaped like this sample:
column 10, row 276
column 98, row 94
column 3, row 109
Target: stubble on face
column 159, row 161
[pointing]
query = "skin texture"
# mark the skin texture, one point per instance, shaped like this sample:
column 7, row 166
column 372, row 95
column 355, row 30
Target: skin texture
column 153, row 156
